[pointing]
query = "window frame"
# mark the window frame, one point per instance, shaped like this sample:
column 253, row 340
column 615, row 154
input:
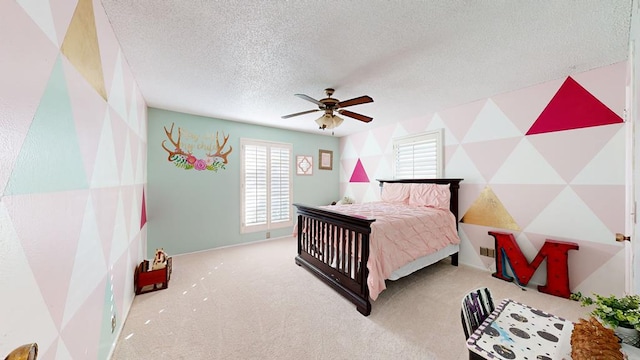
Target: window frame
column 269, row 224
column 436, row 136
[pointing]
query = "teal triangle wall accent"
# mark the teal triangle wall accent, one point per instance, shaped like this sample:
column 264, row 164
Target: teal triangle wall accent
column 50, row 159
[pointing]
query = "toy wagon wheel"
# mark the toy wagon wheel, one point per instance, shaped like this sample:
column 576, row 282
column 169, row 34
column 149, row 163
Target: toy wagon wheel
column 135, row 279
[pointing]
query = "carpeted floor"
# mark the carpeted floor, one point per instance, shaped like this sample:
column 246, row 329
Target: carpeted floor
column 253, row 302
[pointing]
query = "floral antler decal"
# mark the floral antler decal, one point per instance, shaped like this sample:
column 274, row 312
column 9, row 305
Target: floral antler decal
column 220, row 154
column 177, row 150
column 187, row 161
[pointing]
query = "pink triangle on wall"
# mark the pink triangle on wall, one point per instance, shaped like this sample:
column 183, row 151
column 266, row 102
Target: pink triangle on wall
column 381, row 134
column 523, row 106
column 600, row 198
column 127, row 195
column 587, row 260
column 56, row 233
column 119, row 131
column 458, row 119
column 105, row 204
column 82, row 340
column 359, row 174
column 573, row 107
column 89, row 109
column 120, row 282
column 569, row 161
column 143, row 220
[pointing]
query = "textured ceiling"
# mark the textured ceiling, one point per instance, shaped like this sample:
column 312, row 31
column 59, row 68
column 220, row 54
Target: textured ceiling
column 244, row 60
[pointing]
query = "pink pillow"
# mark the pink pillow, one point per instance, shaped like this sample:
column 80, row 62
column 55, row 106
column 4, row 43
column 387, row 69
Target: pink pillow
column 432, row 195
column 395, row 192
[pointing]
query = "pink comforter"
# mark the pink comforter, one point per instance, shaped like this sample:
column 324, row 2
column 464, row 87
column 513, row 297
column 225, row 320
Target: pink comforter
column 400, row 234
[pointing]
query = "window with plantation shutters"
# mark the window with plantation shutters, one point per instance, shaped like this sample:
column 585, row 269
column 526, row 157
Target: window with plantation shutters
column 418, row 156
column 266, row 185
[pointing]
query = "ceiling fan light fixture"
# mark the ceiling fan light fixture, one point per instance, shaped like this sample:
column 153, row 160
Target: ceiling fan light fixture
column 330, row 105
column 329, row 121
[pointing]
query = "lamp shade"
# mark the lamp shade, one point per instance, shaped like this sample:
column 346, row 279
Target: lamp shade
column 329, row 121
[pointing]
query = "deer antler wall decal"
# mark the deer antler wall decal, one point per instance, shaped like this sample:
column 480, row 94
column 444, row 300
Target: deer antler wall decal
column 176, row 144
column 219, row 149
column 188, row 161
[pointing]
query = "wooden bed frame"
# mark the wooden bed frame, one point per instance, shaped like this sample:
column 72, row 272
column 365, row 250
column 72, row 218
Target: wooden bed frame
column 335, row 247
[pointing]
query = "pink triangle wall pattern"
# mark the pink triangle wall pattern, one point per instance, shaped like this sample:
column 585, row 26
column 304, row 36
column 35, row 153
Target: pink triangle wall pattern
column 359, row 174
column 573, row 107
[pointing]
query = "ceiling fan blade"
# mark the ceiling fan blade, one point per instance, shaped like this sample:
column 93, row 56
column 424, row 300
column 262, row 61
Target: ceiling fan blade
column 300, row 113
column 355, row 101
column 309, row 98
column 356, row 116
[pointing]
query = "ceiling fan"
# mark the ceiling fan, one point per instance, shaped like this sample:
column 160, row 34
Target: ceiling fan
column 329, row 105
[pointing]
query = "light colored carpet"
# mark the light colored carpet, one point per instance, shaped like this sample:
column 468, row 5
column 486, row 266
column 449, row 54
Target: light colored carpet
column 253, row 302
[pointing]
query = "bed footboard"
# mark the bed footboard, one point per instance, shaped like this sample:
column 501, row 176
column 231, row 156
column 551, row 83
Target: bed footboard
column 335, row 248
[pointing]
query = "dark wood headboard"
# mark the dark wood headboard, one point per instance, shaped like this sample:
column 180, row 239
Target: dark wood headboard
column 454, row 185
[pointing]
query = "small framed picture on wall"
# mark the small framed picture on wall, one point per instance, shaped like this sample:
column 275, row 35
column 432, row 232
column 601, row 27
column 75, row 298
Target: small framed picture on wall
column 325, row 160
column 304, row 165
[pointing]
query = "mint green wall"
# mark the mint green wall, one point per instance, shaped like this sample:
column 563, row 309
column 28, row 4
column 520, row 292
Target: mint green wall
column 191, row 210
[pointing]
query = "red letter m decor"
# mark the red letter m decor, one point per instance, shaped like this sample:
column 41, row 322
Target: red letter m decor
column 556, row 253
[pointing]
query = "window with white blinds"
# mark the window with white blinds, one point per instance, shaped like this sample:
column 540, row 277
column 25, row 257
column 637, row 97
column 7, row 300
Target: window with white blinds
column 418, row 156
column 266, row 185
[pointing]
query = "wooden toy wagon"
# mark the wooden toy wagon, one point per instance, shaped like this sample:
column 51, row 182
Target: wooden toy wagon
column 146, row 280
